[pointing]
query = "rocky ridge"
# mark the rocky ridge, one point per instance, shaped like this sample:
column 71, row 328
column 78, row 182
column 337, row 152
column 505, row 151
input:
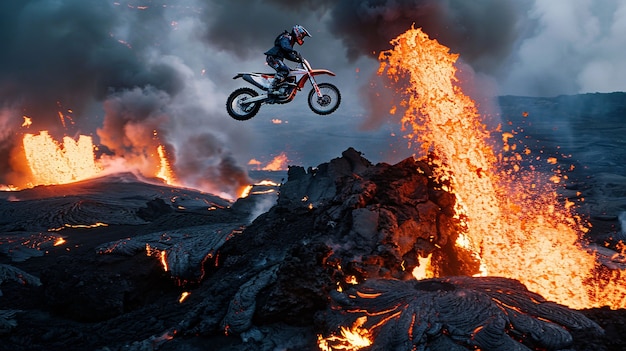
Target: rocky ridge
column 282, row 280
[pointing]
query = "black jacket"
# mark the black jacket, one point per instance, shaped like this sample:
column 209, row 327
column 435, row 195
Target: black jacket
column 283, row 48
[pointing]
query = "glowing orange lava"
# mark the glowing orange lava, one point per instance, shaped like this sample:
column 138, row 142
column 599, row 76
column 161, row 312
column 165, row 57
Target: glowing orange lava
column 424, row 270
column 52, row 163
column 518, row 227
column 27, row 121
column 87, row 226
column 245, row 192
column 165, row 170
column 514, row 222
column 279, row 163
column 351, row 339
column 159, row 254
column 183, row 296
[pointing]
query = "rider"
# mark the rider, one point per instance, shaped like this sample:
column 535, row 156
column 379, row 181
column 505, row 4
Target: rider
column 283, row 48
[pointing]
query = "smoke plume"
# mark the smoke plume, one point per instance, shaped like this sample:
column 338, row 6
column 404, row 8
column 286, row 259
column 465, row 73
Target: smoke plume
column 483, row 32
column 111, row 70
column 139, row 73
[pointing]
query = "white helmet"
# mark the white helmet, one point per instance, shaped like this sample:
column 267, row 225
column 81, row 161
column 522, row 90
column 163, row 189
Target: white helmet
column 300, row 32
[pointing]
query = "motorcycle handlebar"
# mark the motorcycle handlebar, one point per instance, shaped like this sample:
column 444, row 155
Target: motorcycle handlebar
column 304, row 63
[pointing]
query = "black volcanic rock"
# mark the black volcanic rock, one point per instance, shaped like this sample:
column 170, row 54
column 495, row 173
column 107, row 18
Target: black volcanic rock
column 458, row 313
column 376, row 219
column 154, row 209
column 266, row 285
column 350, row 221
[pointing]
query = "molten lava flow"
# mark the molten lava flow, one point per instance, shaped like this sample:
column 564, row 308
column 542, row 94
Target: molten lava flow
column 278, row 163
column 246, row 191
column 183, row 296
column 159, row 254
column 516, row 225
column 163, row 259
column 51, row 163
column 95, row 225
column 271, row 187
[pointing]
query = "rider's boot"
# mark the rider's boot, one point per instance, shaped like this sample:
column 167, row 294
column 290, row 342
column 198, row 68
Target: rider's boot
column 275, row 88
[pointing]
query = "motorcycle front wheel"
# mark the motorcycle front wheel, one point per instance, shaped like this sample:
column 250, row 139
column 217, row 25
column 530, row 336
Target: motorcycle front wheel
column 238, row 108
column 328, row 102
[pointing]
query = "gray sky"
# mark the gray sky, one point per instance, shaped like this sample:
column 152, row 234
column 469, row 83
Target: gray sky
column 120, row 70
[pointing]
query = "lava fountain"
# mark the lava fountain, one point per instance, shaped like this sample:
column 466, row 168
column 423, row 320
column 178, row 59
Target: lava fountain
column 51, row 162
column 516, row 225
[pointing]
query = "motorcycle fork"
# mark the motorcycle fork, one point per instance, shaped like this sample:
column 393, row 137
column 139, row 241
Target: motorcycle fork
column 314, row 84
column 312, row 79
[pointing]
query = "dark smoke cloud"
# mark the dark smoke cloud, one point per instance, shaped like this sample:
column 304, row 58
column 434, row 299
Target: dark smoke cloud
column 483, row 32
column 575, row 47
column 115, row 67
column 133, row 117
column 130, row 68
column 209, row 165
column 247, row 28
column 55, row 56
column 67, row 51
column 531, row 47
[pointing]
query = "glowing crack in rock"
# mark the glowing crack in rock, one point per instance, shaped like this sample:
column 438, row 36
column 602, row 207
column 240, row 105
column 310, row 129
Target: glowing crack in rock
column 454, row 313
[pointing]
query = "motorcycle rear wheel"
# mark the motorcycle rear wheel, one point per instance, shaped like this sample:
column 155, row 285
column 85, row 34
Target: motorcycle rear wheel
column 328, row 103
column 237, row 107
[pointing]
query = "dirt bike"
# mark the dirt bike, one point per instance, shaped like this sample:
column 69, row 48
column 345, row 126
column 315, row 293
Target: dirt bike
column 244, row 103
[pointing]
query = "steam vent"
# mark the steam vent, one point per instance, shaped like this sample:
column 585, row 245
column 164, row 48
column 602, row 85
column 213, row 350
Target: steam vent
column 352, row 256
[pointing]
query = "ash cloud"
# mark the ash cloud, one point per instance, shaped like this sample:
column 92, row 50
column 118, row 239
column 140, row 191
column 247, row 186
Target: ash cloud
column 118, row 71
column 574, row 47
column 117, row 68
column 483, row 32
column 531, row 47
column 66, row 53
